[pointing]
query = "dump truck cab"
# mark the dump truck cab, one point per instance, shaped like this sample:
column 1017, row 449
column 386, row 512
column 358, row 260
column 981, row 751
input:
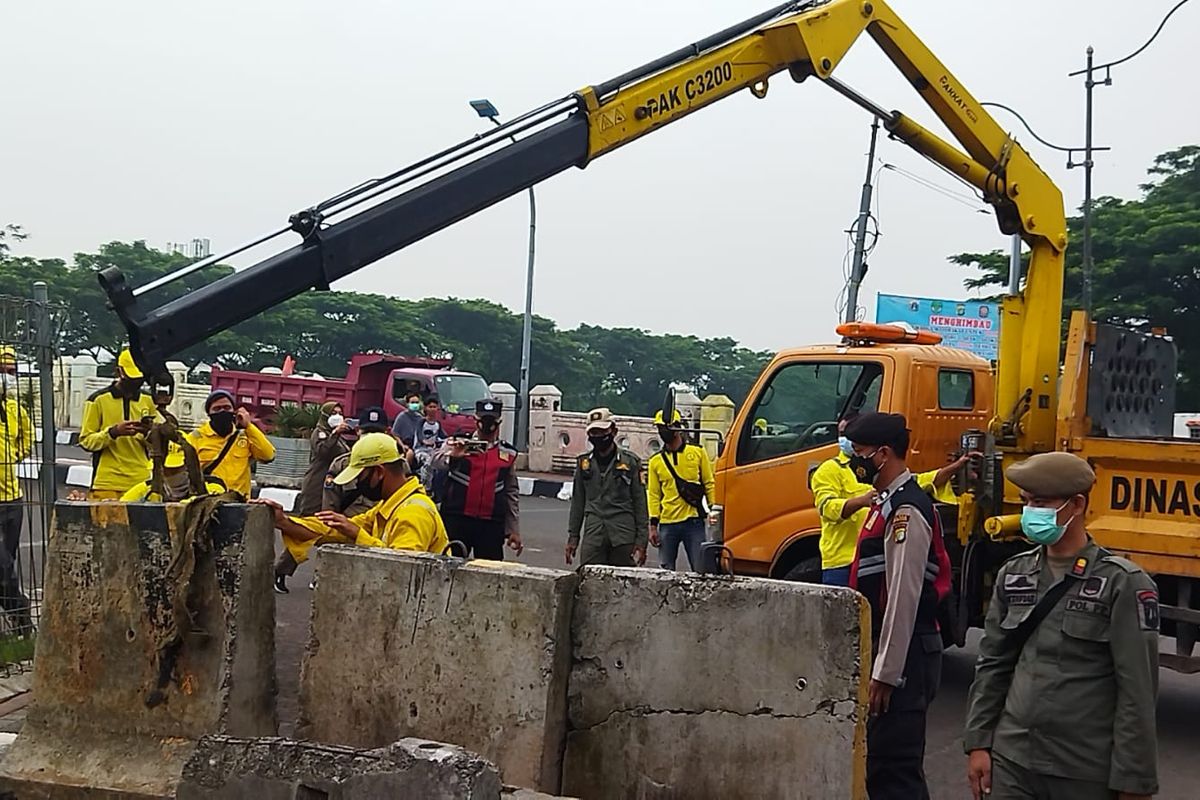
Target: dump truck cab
column 788, row 426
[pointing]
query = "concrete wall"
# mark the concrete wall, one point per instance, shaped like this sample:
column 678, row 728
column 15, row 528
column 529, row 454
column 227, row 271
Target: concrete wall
column 282, row 769
column 94, row 720
column 404, row 644
column 709, row 687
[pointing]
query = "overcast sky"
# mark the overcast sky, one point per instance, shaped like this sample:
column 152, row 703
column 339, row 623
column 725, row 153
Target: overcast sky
column 165, row 121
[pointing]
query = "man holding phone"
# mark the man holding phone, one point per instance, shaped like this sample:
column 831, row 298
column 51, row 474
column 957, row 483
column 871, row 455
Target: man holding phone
column 115, row 422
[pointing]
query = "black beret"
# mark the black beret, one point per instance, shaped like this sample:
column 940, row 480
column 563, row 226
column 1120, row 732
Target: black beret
column 488, row 407
column 876, row 429
column 1053, row 475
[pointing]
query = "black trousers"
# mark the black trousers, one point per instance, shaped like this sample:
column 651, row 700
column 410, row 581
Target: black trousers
column 896, row 739
column 484, row 538
column 12, row 517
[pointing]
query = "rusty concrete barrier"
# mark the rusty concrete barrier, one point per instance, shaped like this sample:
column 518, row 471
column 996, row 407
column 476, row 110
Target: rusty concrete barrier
column 113, row 715
column 710, row 687
column 405, row 644
column 282, row 769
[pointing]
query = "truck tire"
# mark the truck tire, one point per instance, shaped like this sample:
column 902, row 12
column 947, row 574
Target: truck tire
column 807, row 571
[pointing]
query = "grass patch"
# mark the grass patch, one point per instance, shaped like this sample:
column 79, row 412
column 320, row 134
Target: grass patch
column 15, row 649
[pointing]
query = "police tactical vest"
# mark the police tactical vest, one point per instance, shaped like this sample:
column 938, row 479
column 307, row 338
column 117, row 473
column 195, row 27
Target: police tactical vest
column 868, row 572
column 475, row 484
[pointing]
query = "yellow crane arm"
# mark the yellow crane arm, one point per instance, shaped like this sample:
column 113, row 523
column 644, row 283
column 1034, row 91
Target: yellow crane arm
column 812, row 42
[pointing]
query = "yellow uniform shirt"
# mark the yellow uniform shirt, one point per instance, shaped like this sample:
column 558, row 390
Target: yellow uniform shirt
column 833, row 483
column 234, row 469
column 16, row 443
column 142, row 494
column 408, row 520
column 690, row 464
column 120, row 463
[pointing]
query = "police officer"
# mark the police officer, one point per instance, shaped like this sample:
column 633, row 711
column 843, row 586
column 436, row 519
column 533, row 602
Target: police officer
column 481, row 503
column 902, row 568
column 1064, row 695
column 608, row 492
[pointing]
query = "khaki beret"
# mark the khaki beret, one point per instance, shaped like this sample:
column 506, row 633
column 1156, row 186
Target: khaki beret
column 1053, row 475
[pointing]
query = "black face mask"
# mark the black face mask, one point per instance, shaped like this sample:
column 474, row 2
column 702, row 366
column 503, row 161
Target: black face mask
column 487, row 426
column 864, row 467
column 222, row 422
column 667, row 435
column 130, row 387
column 602, row 444
column 373, row 492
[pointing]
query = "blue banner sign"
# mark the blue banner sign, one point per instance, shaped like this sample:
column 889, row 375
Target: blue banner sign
column 967, row 324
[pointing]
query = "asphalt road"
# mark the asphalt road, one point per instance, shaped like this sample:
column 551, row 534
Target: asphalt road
column 543, row 524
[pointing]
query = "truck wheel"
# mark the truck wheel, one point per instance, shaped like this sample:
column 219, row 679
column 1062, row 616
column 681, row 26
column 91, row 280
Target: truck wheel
column 807, row 571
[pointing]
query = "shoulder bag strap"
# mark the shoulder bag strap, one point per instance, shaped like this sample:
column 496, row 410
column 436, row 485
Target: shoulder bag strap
column 221, row 456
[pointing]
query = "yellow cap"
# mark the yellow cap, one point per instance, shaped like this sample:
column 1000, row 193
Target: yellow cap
column 174, row 457
column 370, row 450
column 128, row 365
column 7, row 354
column 675, row 417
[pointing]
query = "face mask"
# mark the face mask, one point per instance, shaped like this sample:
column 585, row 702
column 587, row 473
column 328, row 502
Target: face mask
column 130, row 386
column 414, row 406
column 845, row 446
column 374, row 493
column 601, row 444
column 335, row 420
column 1040, row 525
column 487, row 425
column 8, row 383
column 864, row 467
column 222, row 422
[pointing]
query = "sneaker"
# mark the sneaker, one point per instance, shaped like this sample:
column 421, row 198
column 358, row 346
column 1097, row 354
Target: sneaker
column 281, row 584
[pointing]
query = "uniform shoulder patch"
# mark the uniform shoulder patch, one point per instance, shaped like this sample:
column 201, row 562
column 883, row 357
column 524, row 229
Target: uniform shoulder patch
column 585, row 463
column 329, row 484
column 900, row 526
column 1147, row 600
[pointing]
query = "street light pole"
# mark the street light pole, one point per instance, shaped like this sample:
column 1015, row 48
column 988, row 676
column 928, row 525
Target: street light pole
column 488, row 111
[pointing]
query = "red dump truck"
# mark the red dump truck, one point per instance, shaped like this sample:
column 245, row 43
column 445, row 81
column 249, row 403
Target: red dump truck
column 373, row 379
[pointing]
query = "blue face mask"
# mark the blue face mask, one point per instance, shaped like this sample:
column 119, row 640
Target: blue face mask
column 845, row 446
column 1040, row 525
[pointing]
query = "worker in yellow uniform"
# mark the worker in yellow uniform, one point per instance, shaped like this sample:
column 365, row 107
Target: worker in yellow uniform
column 115, row 422
column 228, row 442
column 176, row 486
column 16, row 443
column 679, row 483
column 842, row 503
column 403, row 517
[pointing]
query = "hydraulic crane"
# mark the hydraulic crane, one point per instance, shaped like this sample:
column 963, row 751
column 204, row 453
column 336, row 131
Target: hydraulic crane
column 808, row 40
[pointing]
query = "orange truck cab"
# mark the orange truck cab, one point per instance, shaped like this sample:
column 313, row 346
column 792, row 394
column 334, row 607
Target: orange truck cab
column 764, row 511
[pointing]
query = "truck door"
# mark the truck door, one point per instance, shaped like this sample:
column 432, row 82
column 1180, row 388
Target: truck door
column 789, row 426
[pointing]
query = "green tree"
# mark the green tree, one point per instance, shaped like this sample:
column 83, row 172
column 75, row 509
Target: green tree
column 1146, row 257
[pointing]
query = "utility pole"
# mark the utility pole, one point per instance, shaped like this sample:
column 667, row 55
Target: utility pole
column 45, row 363
column 1090, row 83
column 858, row 268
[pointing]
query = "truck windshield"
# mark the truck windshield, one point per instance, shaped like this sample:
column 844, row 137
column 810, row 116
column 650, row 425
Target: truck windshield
column 798, row 408
column 459, row 393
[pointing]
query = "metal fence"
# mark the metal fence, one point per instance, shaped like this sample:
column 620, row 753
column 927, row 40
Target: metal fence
column 30, row 331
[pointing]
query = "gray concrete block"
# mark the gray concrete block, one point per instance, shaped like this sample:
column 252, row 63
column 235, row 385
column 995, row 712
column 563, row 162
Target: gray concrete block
column 711, row 687
column 92, row 730
column 406, row 644
column 282, row 769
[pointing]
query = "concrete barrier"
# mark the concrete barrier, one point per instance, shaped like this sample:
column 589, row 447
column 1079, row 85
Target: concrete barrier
column 103, row 723
column 281, row 769
column 710, row 687
column 405, row 644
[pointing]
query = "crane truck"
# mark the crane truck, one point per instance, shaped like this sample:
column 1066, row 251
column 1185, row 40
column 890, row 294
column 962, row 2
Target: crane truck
column 1106, row 400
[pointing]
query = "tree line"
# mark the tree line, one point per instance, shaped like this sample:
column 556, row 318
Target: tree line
column 625, row 369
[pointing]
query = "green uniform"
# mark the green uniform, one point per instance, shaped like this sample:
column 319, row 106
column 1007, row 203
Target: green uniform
column 608, row 503
column 1073, row 712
